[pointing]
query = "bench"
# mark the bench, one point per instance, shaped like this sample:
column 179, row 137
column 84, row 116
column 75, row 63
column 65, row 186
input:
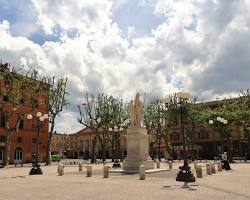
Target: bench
column 217, row 158
column 18, row 163
column 240, row 158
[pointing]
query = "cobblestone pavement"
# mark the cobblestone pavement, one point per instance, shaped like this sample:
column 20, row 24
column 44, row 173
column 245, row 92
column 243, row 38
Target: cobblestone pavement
column 16, row 184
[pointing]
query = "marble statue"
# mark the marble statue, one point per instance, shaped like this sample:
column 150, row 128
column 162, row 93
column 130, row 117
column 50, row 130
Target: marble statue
column 136, row 111
column 137, row 139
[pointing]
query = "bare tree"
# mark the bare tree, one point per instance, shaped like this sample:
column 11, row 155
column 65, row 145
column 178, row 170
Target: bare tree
column 56, row 101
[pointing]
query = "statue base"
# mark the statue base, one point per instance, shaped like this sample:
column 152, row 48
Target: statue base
column 137, row 149
column 134, row 165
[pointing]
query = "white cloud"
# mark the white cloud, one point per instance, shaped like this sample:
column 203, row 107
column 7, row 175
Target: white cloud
column 85, row 16
column 198, row 48
column 4, row 26
column 209, row 58
column 68, row 124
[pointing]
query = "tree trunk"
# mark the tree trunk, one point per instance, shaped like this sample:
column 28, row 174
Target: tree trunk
column 113, row 152
column 239, row 142
column 49, row 145
column 48, row 150
column 119, row 148
column 103, row 149
column 229, row 150
column 168, row 150
column 103, row 154
column 222, row 145
column 93, row 156
column 159, row 149
column 6, row 160
column 192, row 141
column 248, row 151
column 151, row 150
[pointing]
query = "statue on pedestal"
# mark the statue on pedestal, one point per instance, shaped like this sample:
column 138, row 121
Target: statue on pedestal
column 136, row 111
column 137, row 139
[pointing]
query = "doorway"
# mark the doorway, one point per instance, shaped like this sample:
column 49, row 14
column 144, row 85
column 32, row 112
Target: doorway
column 18, row 158
column 1, row 156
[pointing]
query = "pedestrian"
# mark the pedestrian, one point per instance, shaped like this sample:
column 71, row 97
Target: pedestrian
column 225, row 162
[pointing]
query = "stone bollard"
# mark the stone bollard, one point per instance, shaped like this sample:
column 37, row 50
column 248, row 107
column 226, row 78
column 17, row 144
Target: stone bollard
column 104, row 162
column 80, row 167
column 158, row 164
column 219, row 166
column 105, row 171
column 142, row 172
column 89, row 171
column 195, row 164
column 209, row 169
column 58, row 167
column 61, row 169
column 198, row 171
column 170, row 164
column 213, row 168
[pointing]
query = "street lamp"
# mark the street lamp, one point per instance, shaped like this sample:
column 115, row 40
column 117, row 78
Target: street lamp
column 184, row 175
column 36, row 170
column 219, row 119
column 115, row 130
column 222, row 121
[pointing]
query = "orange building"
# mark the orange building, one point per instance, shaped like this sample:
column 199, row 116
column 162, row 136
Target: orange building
column 23, row 143
column 60, row 144
column 207, row 142
column 78, row 145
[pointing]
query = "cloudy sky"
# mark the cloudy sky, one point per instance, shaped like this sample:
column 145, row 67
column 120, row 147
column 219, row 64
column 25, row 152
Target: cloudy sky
column 120, row 47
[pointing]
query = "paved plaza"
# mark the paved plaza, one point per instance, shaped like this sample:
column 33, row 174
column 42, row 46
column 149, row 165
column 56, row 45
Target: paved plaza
column 16, row 184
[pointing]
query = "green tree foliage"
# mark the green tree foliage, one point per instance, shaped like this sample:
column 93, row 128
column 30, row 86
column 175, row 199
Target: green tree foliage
column 184, row 111
column 99, row 113
column 120, row 120
column 236, row 111
column 194, row 118
column 156, row 122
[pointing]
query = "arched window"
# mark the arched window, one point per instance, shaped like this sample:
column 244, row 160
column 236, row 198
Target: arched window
column 21, row 100
column 21, row 124
column 203, row 134
column 189, row 133
column 18, row 154
column 174, row 136
column 2, row 124
column 5, row 98
column 34, row 103
column 3, row 138
column 1, row 155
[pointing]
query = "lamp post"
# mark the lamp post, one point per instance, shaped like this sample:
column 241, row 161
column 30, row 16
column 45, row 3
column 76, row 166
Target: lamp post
column 221, row 121
column 184, row 175
column 36, row 170
column 115, row 130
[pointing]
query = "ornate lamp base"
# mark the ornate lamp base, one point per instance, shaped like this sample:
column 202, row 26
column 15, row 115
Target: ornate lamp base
column 36, row 171
column 116, row 164
column 185, row 175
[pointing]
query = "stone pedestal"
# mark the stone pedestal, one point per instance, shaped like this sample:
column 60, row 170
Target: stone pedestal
column 137, row 150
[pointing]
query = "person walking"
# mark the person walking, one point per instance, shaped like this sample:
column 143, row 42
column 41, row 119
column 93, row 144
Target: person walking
column 225, row 162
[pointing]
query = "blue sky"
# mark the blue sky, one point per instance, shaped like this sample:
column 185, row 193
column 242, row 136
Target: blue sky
column 134, row 14
column 23, row 19
column 120, row 47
